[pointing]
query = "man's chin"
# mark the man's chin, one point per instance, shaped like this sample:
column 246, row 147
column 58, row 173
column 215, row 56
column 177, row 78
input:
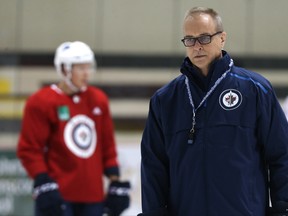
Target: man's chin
column 83, row 88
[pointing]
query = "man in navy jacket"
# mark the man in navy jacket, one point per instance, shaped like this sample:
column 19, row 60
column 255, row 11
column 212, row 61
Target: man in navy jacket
column 216, row 138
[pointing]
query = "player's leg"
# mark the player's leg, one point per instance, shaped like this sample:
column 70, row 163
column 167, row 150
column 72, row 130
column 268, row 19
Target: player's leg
column 67, row 211
column 93, row 209
column 88, row 209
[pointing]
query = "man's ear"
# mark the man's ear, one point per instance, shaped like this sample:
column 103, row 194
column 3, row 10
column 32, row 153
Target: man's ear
column 223, row 39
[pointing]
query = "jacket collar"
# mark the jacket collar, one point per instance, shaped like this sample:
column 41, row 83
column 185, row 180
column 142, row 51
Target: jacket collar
column 218, row 67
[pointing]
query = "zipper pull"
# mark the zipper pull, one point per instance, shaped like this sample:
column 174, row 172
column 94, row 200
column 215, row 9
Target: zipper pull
column 191, row 136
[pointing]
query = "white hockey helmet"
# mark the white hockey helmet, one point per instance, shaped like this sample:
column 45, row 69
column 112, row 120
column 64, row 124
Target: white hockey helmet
column 69, row 53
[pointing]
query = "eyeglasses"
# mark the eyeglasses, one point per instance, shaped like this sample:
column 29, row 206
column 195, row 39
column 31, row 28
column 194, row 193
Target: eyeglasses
column 204, row 39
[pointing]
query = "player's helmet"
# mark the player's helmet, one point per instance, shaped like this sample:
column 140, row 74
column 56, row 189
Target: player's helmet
column 69, row 53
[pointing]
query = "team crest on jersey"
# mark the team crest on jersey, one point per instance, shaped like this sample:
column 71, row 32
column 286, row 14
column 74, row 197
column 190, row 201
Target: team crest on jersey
column 80, row 136
column 230, row 99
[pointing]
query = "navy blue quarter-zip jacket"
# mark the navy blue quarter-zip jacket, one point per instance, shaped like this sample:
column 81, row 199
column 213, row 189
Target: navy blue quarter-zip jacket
column 240, row 133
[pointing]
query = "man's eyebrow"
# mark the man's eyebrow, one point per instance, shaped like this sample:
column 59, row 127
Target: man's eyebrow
column 191, row 36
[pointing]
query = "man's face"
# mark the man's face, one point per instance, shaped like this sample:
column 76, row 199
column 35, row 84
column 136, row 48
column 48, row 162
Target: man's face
column 80, row 74
column 202, row 55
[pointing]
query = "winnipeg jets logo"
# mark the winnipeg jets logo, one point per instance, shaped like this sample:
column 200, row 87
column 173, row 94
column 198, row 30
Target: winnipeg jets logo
column 80, row 136
column 230, row 99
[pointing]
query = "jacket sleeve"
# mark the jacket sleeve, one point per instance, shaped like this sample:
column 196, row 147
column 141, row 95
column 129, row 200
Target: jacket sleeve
column 154, row 162
column 273, row 133
column 285, row 107
column 33, row 137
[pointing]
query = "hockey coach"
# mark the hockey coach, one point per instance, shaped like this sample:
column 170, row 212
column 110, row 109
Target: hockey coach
column 216, row 139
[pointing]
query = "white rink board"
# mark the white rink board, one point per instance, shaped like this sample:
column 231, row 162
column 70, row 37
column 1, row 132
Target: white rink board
column 129, row 159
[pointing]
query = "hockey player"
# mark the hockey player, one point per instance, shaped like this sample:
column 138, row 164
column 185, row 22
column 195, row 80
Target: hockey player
column 67, row 142
column 216, row 138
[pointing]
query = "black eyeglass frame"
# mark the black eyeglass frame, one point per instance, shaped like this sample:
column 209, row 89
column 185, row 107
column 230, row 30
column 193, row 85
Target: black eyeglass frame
column 199, row 39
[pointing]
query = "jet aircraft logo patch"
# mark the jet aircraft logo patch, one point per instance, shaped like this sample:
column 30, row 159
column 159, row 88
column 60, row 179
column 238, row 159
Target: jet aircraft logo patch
column 80, row 136
column 230, row 99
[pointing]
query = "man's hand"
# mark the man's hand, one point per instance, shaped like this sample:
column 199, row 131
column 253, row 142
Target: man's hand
column 118, row 198
column 47, row 197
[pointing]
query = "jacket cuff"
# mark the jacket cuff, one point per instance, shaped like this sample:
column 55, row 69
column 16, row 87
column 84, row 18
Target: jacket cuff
column 112, row 171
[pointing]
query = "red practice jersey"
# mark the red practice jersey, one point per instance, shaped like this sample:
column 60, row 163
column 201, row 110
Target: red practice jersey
column 71, row 138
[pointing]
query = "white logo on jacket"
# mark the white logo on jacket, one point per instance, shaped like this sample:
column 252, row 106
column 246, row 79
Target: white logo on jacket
column 80, row 136
column 230, row 99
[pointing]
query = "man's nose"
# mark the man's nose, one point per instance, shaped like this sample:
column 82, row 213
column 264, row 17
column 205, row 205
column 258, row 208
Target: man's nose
column 197, row 46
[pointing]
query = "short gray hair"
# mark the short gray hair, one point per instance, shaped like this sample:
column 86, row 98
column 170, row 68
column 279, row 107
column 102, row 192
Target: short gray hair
column 215, row 16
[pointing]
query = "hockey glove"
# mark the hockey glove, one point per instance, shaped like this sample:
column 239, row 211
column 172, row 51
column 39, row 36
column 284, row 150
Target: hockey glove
column 118, row 198
column 47, row 197
column 158, row 212
column 280, row 208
